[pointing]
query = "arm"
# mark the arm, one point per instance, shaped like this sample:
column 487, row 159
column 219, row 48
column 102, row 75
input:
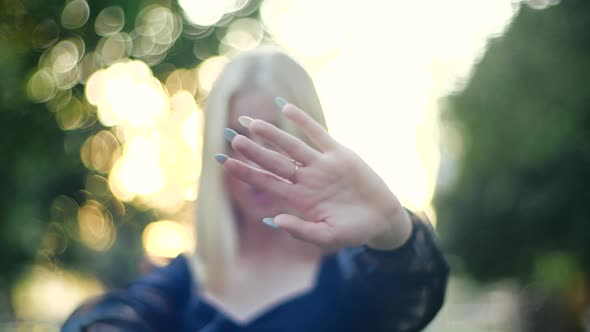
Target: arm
column 149, row 304
column 342, row 203
column 406, row 286
column 111, row 312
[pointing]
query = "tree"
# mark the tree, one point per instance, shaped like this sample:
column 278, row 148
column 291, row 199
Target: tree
column 518, row 206
column 41, row 164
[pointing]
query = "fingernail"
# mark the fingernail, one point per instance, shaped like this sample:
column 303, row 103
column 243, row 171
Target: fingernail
column 229, row 134
column 221, row 158
column 280, row 102
column 245, row 121
column 270, row 223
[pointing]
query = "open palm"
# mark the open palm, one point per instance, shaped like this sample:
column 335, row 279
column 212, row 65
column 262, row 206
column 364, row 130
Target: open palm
column 339, row 199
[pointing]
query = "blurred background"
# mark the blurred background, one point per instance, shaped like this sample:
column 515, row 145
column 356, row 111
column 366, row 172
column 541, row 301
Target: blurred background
column 488, row 102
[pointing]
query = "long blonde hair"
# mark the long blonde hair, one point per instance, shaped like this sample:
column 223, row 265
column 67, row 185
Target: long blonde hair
column 277, row 74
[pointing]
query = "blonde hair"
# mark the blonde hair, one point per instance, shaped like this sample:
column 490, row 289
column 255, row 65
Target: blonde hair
column 272, row 72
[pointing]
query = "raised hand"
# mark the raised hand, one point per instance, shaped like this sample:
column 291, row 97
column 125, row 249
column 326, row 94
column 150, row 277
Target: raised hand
column 339, row 199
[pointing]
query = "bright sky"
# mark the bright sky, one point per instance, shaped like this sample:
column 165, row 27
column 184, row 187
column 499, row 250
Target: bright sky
column 392, row 60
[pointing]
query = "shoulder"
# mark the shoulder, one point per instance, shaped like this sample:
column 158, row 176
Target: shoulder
column 172, row 280
column 150, row 303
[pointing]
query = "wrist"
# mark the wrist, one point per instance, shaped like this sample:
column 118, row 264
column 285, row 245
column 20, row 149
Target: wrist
column 397, row 231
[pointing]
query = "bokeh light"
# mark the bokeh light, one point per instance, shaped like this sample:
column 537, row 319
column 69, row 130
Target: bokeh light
column 301, row 26
column 75, row 14
column 55, row 240
column 109, row 21
column 45, row 34
column 58, row 68
column 95, row 224
column 182, row 80
column 99, row 152
column 138, row 171
column 64, row 210
column 59, row 100
column 208, row 71
column 242, row 35
column 166, row 239
column 41, row 86
column 35, row 296
column 91, row 62
column 205, row 12
column 159, row 159
column 197, row 32
column 71, row 116
column 64, row 57
column 127, row 93
column 114, row 48
column 98, row 186
column 156, row 29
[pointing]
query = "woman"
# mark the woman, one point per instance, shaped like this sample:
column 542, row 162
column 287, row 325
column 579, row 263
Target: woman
column 295, row 231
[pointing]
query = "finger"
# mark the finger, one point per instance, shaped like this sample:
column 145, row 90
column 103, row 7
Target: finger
column 255, row 176
column 318, row 233
column 269, row 160
column 311, row 128
column 291, row 145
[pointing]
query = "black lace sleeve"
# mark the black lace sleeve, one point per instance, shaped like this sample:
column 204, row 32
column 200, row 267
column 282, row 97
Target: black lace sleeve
column 153, row 303
column 405, row 286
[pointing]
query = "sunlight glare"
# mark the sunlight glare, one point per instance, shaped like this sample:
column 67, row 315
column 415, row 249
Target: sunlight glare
column 206, row 12
column 393, row 60
column 42, row 285
column 166, row 239
column 208, row 71
column 138, row 171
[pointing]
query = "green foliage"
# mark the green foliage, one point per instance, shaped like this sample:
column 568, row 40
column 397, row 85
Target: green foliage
column 521, row 191
column 39, row 161
column 556, row 272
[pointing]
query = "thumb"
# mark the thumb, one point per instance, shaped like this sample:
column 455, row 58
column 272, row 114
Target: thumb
column 316, row 232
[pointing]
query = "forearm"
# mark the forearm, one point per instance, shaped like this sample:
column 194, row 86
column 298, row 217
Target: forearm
column 407, row 284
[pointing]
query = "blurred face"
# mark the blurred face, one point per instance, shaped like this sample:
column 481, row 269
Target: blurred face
column 251, row 204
